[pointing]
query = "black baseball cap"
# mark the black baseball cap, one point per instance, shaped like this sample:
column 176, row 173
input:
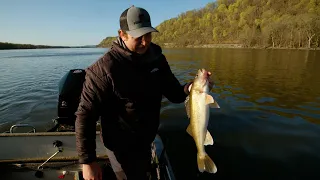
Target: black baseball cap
column 136, row 22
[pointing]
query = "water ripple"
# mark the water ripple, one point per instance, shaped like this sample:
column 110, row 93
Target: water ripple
column 269, row 99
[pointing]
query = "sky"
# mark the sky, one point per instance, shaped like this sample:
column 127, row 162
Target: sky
column 77, row 22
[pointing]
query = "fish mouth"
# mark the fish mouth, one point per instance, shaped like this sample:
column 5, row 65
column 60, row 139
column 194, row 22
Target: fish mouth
column 203, row 77
column 205, row 72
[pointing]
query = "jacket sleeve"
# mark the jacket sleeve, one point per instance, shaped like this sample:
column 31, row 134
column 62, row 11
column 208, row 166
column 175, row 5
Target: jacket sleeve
column 87, row 115
column 171, row 87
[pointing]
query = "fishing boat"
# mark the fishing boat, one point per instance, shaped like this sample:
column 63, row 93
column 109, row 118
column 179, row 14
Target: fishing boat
column 27, row 154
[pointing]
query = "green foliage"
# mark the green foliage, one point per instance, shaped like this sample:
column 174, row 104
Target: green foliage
column 106, row 42
column 251, row 23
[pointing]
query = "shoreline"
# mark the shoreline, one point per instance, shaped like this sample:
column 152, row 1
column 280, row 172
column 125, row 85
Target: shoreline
column 14, row 46
column 49, row 48
column 173, row 46
column 233, row 46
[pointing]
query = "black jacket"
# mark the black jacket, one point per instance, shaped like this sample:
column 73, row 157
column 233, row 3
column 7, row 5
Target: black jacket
column 125, row 90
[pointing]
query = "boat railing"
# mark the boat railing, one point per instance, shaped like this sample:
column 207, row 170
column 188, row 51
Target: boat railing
column 17, row 126
column 22, row 125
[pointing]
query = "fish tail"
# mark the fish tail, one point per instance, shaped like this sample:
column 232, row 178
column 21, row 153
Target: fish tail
column 205, row 163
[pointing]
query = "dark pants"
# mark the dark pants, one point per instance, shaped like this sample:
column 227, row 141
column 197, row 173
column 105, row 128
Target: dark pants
column 135, row 162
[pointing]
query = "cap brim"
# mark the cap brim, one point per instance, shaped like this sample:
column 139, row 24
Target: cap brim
column 141, row 31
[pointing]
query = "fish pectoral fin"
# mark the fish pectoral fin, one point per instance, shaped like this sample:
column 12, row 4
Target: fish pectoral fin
column 208, row 140
column 187, row 104
column 214, row 105
column 209, row 99
column 189, row 131
column 211, row 102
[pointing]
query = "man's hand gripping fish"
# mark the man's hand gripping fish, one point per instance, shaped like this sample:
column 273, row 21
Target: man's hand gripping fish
column 197, row 107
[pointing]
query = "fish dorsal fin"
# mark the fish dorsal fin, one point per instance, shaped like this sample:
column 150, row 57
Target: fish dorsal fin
column 209, row 99
column 208, row 140
column 189, row 131
column 187, row 104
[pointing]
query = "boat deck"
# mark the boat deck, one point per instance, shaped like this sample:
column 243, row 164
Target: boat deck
column 51, row 171
column 49, row 154
column 22, row 153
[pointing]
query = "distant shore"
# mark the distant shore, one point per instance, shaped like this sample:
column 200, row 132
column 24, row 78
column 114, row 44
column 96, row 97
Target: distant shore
column 12, row 46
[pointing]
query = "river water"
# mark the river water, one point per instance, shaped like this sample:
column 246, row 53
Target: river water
column 268, row 126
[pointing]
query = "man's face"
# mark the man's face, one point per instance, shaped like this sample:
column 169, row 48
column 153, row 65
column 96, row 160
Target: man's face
column 140, row 44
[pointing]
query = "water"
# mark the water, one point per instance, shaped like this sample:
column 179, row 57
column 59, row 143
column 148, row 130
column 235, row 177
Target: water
column 268, row 126
column 29, row 82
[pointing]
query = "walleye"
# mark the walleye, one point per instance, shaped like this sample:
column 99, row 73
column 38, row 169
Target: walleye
column 197, row 107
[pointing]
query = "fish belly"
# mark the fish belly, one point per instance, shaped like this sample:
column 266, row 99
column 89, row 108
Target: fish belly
column 199, row 119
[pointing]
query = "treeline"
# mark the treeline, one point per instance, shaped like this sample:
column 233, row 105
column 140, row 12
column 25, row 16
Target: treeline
column 106, row 42
column 5, row 45
column 249, row 23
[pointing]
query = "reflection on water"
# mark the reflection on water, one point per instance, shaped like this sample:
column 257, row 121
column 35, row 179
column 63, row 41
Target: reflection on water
column 267, row 127
column 284, row 81
column 268, row 124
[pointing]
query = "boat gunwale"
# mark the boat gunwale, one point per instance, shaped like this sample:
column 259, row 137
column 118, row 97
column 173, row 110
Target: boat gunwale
column 40, row 134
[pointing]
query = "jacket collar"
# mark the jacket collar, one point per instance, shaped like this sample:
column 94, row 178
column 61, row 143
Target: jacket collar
column 153, row 53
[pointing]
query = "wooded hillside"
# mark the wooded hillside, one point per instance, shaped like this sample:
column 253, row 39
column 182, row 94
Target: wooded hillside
column 106, row 42
column 251, row 23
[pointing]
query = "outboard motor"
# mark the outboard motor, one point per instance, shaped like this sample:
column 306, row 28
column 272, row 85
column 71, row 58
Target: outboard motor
column 70, row 88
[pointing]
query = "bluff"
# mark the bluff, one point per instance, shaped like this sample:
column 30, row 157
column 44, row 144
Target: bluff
column 248, row 23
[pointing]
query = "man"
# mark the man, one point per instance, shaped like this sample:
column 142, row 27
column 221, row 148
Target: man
column 125, row 88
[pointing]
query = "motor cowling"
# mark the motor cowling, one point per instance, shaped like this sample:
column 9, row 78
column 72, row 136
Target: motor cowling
column 70, row 88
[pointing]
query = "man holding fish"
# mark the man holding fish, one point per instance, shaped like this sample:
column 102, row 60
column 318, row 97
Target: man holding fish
column 124, row 88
